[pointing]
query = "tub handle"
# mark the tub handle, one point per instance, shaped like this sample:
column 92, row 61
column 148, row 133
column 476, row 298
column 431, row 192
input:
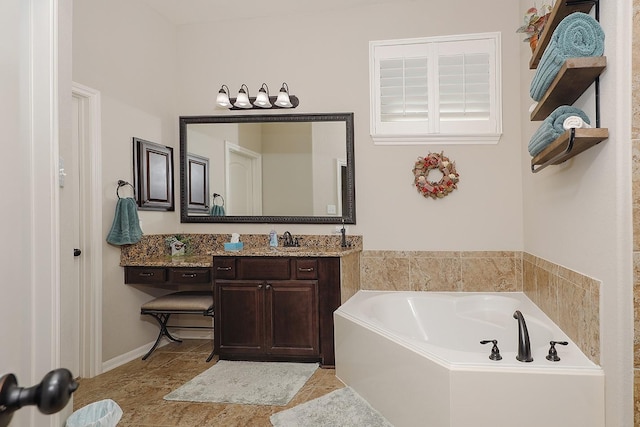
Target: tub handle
column 553, row 353
column 495, row 351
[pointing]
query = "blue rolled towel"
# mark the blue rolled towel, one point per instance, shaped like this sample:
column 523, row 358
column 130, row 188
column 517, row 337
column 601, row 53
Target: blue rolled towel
column 125, row 229
column 552, row 127
column 578, row 35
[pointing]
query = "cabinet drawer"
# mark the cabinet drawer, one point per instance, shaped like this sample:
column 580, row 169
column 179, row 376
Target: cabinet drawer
column 224, row 268
column 306, row 268
column 264, row 268
column 143, row 275
column 190, row 275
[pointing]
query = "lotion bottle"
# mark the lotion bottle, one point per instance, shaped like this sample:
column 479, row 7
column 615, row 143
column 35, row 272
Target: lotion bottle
column 273, row 238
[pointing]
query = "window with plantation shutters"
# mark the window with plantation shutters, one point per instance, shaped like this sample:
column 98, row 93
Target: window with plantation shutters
column 436, row 90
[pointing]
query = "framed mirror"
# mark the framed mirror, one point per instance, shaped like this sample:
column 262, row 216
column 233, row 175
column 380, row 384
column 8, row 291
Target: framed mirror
column 284, row 168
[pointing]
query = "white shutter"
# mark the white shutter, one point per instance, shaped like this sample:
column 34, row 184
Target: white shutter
column 404, row 93
column 439, row 89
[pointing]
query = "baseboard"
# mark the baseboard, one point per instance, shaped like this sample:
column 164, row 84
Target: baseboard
column 142, row 350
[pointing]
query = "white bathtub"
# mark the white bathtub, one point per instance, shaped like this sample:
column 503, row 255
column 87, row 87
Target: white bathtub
column 416, row 357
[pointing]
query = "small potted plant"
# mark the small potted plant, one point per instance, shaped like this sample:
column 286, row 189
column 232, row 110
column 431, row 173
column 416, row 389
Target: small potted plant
column 534, row 21
column 178, row 245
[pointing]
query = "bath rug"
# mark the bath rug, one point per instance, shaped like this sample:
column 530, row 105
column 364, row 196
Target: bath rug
column 342, row 407
column 249, row 383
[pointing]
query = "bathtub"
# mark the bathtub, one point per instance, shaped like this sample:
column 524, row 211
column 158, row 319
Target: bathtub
column 416, row 357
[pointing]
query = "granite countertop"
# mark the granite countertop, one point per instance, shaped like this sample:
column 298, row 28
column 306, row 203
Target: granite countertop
column 152, row 251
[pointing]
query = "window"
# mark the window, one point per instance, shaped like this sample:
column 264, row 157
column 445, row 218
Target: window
column 435, row 90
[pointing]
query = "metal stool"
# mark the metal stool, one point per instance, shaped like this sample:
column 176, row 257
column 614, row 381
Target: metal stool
column 187, row 302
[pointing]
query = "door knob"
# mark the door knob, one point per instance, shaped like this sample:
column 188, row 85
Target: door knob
column 76, row 252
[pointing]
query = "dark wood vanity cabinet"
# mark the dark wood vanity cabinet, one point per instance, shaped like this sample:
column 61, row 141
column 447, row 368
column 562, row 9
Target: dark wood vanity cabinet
column 275, row 308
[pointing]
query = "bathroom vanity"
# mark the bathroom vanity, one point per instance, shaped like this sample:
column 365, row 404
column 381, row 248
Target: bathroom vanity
column 269, row 304
column 276, row 308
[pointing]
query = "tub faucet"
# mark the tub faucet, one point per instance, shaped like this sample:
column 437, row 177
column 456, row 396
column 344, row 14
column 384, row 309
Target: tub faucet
column 524, row 346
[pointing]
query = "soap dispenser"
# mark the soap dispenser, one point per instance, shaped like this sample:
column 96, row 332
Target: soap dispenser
column 273, row 238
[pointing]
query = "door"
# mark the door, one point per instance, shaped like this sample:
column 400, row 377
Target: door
column 292, row 326
column 68, row 181
column 243, row 181
column 239, row 317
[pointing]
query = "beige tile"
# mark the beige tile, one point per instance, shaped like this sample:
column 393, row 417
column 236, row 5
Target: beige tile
column 636, row 397
column 574, row 301
column 385, row 273
column 435, row 274
column 488, row 274
column 139, row 387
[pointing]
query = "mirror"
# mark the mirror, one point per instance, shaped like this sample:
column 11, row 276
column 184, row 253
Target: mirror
column 285, row 168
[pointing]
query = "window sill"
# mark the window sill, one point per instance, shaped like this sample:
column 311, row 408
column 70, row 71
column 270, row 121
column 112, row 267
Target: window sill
column 433, row 139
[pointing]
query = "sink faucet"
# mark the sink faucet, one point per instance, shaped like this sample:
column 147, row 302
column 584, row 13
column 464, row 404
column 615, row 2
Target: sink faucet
column 289, row 241
column 524, row 346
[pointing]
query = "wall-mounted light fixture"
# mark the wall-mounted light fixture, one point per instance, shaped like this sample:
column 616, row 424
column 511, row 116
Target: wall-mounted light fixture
column 244, row 101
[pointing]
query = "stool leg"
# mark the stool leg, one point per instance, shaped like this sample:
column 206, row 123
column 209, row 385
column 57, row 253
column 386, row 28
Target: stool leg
column 162, row 320
column 210, row 314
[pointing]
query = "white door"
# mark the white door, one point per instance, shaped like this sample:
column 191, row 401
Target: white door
column 243, row 181
column 69, row 183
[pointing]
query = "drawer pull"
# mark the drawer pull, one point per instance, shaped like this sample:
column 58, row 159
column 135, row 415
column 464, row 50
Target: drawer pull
column 146, row 274
column 223, row 268
column 189, row 275
column 306, row 270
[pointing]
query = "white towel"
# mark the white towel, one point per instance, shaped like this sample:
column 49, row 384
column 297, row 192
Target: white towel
column 533, row 107
column 574, row 122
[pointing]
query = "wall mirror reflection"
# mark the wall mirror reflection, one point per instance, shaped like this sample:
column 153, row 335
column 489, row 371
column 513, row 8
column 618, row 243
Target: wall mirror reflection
column 285, row 168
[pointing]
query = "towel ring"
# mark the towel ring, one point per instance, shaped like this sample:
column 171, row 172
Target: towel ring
column 214, row 199
column 122, row 183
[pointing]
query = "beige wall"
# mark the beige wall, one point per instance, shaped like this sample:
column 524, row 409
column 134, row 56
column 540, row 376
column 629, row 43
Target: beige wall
column 635, row 135
column 578, row 215
column 129, row 56
column 324, row 59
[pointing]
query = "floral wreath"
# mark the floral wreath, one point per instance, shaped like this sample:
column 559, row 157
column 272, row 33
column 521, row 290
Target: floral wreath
column 431, row 188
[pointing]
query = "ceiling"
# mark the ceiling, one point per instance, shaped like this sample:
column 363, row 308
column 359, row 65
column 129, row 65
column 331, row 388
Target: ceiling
column 194, row 11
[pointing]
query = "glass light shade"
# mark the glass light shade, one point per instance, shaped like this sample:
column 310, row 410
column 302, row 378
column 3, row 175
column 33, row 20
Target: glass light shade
column 262, row 100
column 242, row 101
column 283, row 99
column 222, row 100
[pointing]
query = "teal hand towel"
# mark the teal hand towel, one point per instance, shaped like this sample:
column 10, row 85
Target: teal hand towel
column 217, row 210
column 552, row 127
column 578, row 35
column 125, row 229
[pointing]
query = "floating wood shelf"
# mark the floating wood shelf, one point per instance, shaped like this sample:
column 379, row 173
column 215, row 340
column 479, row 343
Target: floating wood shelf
column 571, row 143
column 560, row 11
column 574, row 77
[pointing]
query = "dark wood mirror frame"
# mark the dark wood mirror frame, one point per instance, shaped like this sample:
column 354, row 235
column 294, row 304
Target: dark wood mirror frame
column 153, row 175
column 348, row 208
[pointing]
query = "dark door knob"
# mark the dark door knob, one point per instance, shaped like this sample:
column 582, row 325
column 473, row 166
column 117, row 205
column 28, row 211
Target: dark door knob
column 77, row 252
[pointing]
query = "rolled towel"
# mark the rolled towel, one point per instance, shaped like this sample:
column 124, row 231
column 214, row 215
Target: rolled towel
column 578, row 35
column 574, row 122
column 552, row 127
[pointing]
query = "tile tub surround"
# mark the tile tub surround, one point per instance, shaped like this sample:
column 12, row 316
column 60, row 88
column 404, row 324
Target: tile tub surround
column 549, row 285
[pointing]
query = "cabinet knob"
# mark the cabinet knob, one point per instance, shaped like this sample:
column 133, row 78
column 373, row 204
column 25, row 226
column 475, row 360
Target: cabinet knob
column 259, row 286
column 268, row 286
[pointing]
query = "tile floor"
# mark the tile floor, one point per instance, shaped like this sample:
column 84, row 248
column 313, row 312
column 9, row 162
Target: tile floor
column 139, row 387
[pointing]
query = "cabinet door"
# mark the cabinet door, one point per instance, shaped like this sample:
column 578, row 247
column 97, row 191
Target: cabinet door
column 292, row 318
column 239, row 317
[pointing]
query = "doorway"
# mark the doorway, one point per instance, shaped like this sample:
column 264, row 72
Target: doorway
column 80, row 178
